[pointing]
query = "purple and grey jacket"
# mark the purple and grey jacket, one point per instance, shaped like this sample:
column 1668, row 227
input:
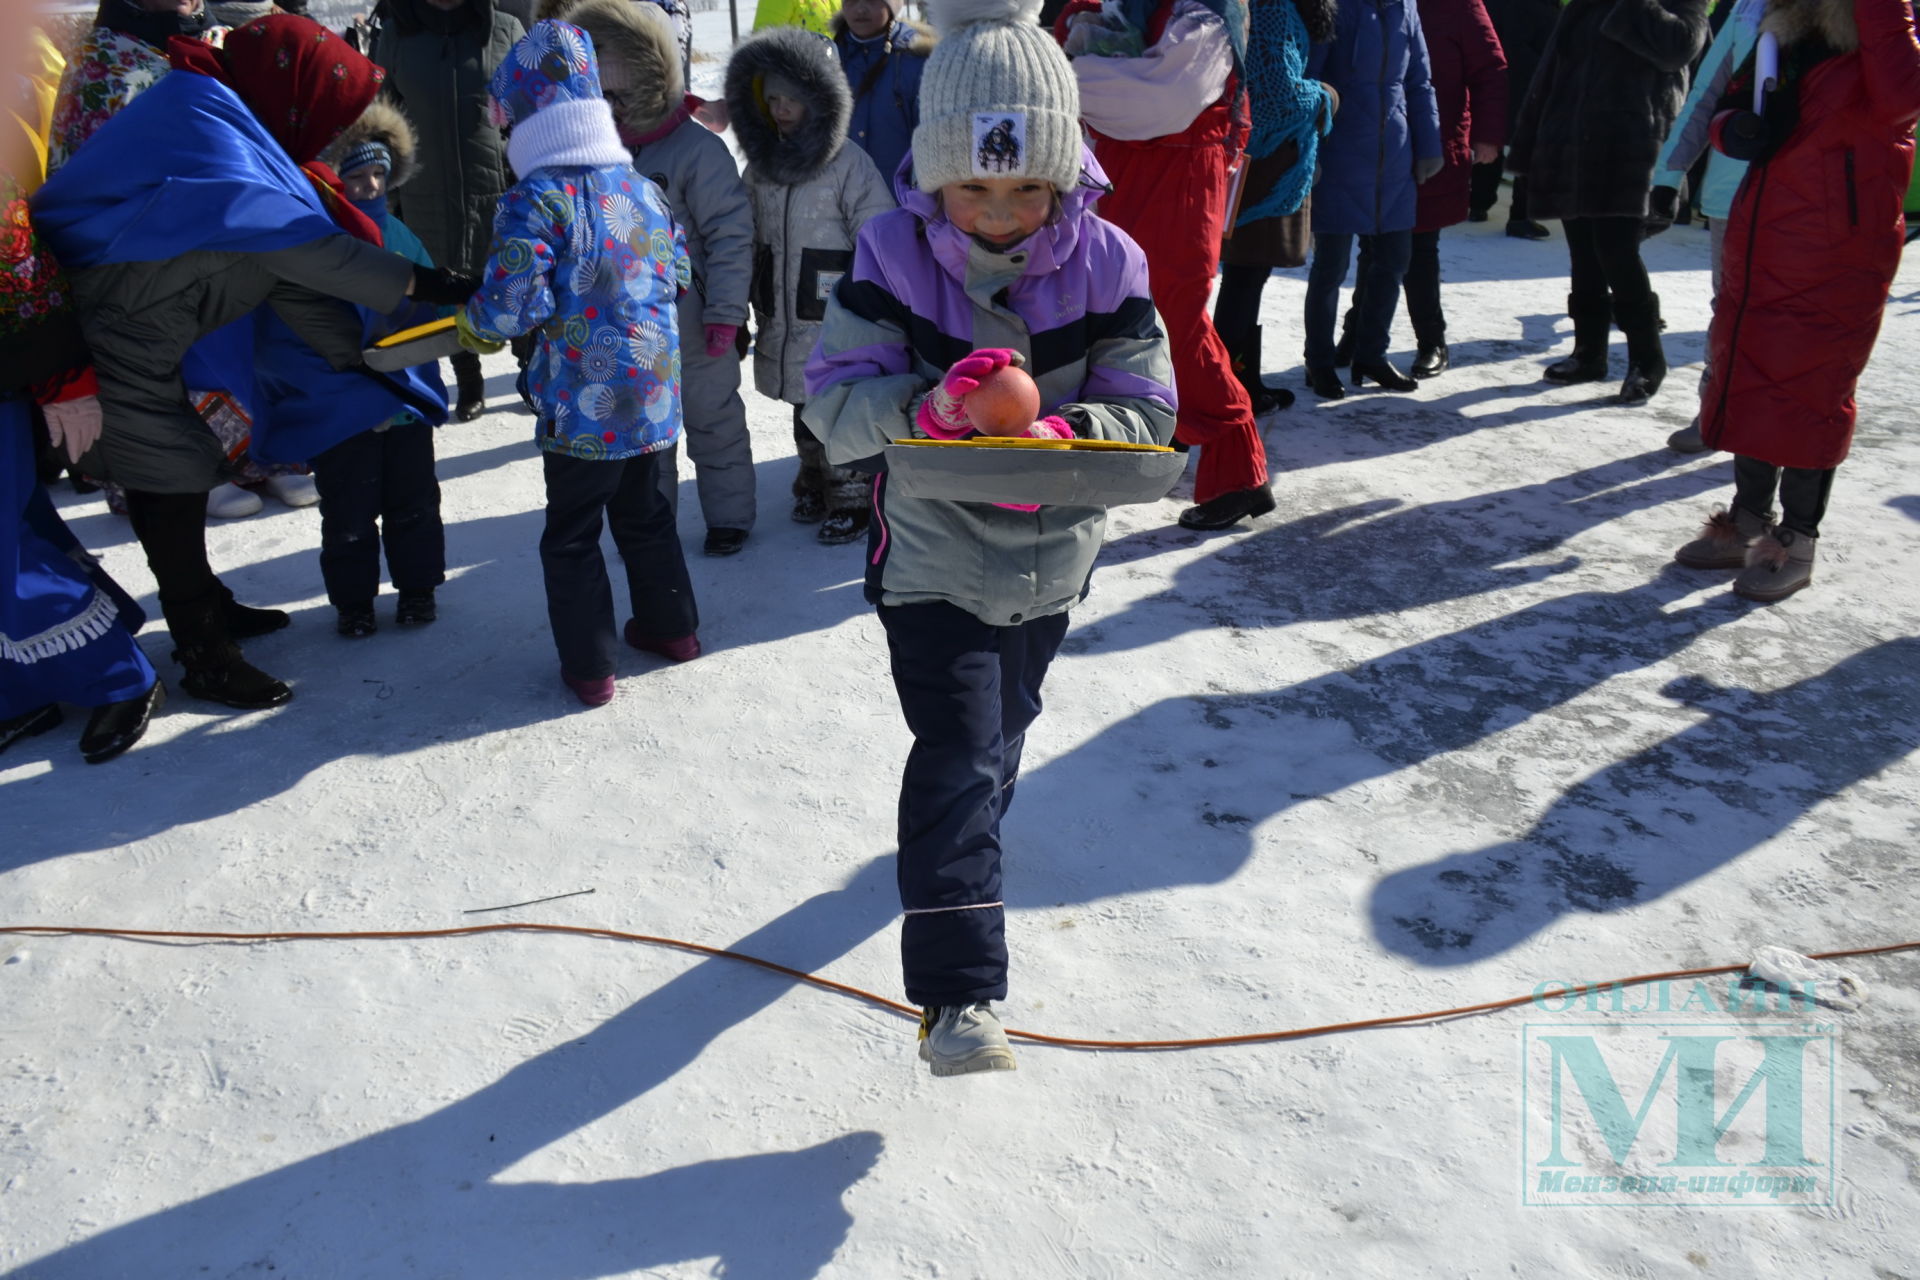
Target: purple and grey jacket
column 1072, row 298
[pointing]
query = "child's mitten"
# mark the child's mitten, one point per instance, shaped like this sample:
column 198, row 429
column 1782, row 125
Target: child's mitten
column 471, row 340
column 941, row 414
column 719, row 338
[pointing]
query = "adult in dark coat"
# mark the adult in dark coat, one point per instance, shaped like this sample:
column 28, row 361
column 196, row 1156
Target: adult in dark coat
column 884, row 56
column 1524, row 27
column 1813, row 241
column 1609, row 86
column 439, row 56
column 1469, row 75
column 1385, row 141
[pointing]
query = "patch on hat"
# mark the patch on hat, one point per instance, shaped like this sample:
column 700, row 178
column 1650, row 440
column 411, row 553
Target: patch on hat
column 1000, row 141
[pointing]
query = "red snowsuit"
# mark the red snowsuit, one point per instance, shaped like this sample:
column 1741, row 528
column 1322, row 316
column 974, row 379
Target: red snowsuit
column 1170, row 195
column 1812, row 243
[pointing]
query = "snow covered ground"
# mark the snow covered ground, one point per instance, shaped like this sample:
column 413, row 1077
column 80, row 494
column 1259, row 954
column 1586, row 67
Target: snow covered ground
column 1446, row 727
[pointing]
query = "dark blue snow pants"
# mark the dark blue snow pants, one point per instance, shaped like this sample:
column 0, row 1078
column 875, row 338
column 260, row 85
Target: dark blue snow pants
column 968, row 691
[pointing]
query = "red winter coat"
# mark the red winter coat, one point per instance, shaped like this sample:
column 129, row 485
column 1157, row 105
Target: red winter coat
column 1470, row 85
column 1811, row 247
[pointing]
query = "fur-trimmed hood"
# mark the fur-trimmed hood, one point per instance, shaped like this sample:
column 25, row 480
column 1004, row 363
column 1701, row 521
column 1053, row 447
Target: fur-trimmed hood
column 385, row 123
column 906, row 35
column 640, row 39
column 810, row 62
column 1795, row 20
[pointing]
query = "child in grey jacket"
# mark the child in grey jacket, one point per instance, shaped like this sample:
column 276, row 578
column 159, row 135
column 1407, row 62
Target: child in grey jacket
column 811, row 193
column 640, row 74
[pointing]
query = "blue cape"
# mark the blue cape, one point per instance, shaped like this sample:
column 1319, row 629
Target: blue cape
column 186, row 167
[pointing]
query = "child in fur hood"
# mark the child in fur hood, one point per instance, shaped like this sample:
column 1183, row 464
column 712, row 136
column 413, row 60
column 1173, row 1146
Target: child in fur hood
column 379, row 486
column 641, row 80
column 586, row 256
column 996, row 256
column 811, row 195
column 1812, row 243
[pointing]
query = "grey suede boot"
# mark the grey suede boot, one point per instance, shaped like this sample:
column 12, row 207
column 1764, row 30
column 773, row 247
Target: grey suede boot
column 1779, row 563
column 1723, row 540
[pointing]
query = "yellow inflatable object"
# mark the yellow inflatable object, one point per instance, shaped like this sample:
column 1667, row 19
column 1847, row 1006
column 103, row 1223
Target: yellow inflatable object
column 426, row 330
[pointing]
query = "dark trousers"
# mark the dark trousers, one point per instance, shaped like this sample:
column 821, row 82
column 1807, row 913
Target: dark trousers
column 579, row 596
column 1421, row 284
column 968, row 691
column 1377, row 294
column 1485, row 191
column 1604, row 255
column 172, row 528
column 379, row 487
column 1803, row 492
column 1236, row 307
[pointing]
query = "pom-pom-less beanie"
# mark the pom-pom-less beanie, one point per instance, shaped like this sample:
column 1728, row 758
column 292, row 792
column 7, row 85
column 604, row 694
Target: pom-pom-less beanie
column 998, row 98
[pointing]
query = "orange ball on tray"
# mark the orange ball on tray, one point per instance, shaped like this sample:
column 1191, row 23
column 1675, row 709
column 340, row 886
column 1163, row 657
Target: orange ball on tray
column 1004, row 404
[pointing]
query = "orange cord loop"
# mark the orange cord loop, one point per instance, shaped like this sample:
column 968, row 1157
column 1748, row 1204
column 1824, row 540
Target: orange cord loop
column 799, row 975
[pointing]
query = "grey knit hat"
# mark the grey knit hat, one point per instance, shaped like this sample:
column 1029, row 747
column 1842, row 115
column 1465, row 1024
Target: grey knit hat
column 998, row 98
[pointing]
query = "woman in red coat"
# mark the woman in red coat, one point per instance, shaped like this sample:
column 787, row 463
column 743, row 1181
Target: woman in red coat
column 1812, row 244
column 1469, row 73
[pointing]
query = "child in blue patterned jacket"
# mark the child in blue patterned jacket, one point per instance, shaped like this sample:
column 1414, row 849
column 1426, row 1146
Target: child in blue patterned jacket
column 586, row 256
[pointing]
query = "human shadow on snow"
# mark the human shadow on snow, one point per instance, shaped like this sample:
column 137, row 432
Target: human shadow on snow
column 1151, row 781
column 1656, row 821
column 428, row 1197
column 1379, row 557
column 486, row 667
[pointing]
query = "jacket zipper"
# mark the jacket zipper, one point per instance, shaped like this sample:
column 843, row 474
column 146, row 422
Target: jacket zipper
column 1853, row 194
column 780, row 298
column 1380, row 164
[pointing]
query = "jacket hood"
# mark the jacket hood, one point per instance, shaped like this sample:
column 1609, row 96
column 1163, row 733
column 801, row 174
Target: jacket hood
column 382, row 122
column 551, row 65
column 639, row 39
column 1795, row 20
column 1051, row 245
column 809, row 61
column 905, row 36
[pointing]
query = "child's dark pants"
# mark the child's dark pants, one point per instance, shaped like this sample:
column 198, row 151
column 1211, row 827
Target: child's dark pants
column 377, row 487
column 579, row 597
column 968, row 691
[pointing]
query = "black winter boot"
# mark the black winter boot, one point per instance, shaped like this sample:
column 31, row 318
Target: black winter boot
column 1646, row 356
column 215, row 670
column 244, row 621
column 1592, row 324
column 1246, row 367
column 470, row 397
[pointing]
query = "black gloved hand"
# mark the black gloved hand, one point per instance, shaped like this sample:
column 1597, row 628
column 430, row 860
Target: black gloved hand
column 443, row 288
column 1663, row 203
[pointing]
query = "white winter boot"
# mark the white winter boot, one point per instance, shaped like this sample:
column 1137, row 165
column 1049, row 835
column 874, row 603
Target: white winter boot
column 961, row 1039
column 1778, row 564
column 294, row 489
column 229, row 501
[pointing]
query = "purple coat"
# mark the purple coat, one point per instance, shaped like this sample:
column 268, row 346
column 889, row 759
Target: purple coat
column 1073, row 299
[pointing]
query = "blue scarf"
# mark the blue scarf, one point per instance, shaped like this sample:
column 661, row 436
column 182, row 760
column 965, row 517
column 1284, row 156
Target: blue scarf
column 1286, row 104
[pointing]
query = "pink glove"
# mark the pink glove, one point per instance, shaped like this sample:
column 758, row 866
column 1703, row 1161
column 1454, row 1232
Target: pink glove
column 941, row 414
column 73, row 423
column 720, row 339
